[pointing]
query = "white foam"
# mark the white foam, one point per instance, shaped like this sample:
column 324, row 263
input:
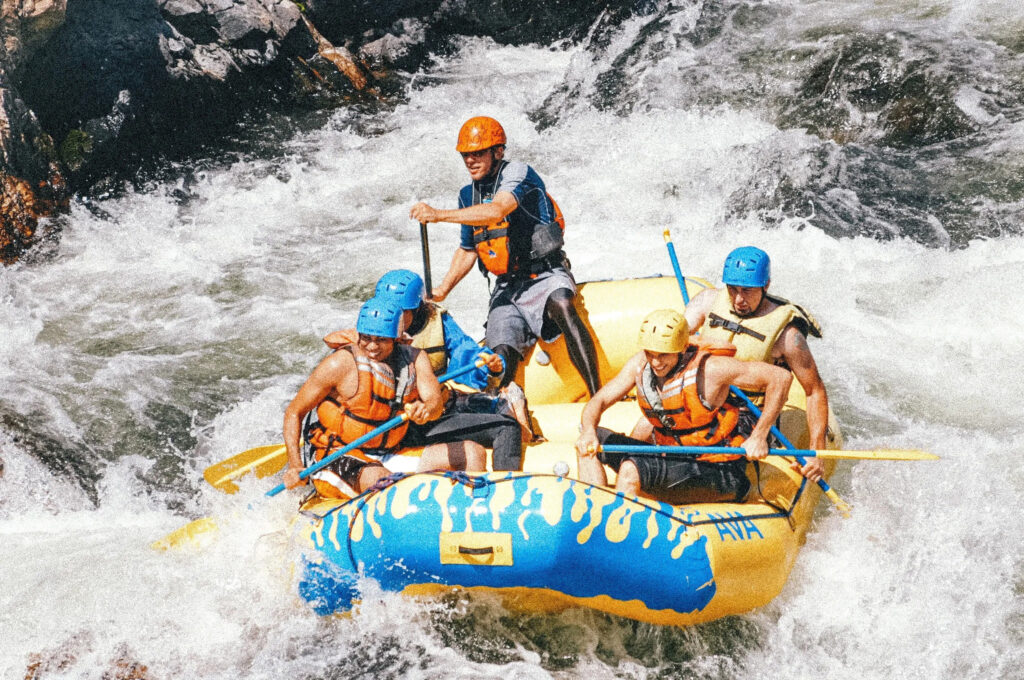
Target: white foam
column 226, row 295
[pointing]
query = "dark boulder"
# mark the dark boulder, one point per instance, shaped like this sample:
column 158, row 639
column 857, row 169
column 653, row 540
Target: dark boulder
column 30, row 182
column 878, row 87
column 91, row 90
column 139, row 77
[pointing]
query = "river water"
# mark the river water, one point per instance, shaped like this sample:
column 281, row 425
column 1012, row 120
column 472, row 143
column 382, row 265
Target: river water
column 873, row 148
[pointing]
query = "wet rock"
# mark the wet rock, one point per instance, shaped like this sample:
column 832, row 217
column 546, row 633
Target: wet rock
column 924, row 112
column 339, row 20
column 521, row 22
column 22, row 206
column 284, row 17
column 507, row 22
column 191, row 19
column 65, row 657
column 26, row 25
column 20, row 216
column 140, row 78
column 245, row 26
column 92, row 89
column 403, row 47
column 31, row 186
column 878, row 87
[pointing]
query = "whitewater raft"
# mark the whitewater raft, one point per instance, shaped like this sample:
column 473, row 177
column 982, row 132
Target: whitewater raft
column 546, row 541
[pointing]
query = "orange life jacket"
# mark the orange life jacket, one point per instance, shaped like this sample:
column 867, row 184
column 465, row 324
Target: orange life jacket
column 499, row 256
column 679, row 415
column 380, row 396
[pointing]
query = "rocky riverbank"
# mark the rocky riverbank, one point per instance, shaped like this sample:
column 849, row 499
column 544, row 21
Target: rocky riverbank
column 92, row 89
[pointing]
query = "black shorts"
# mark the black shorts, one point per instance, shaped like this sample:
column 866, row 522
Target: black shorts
column 347, row 467
column 491, row 430
column 682, row 479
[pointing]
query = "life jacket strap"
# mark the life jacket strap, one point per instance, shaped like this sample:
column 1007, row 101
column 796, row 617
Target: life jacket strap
column 366, row 421
column 717, row 321
column 334, row 442
column 676, row 433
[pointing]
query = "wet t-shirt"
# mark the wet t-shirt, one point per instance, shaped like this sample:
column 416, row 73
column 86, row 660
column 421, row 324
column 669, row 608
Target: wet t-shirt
column 519, row 179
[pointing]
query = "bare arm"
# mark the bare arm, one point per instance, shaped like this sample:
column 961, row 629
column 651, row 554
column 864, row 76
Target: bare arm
column 478, row 215
column 798, row 357
column 328, row 374
column 462, row 264
column 481, row 214
column 721, row 372
column 792, row 347
column 612, row 391
column 429, row 405
column 589, row 465
column 699, row 307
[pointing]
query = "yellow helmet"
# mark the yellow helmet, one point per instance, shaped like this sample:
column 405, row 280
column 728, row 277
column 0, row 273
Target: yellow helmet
column 665, row 331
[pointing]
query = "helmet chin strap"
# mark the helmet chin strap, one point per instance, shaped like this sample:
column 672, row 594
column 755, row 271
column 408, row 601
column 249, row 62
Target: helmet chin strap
column 419, row 319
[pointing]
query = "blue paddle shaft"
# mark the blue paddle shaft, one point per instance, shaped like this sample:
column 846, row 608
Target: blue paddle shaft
column 394, row 422
column 700, row 450
column 800, row 458
column 679, row 273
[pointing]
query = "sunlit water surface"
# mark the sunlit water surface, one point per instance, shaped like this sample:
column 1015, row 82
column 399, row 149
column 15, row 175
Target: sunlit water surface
column 169, row 326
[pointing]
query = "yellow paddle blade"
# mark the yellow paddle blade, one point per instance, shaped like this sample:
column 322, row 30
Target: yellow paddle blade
column 842, row 506
column 194, row 535
column 878, row 454
column 263, row 460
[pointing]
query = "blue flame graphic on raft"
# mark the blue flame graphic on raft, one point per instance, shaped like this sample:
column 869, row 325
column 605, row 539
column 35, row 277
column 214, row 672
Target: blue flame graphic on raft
column 566, row 536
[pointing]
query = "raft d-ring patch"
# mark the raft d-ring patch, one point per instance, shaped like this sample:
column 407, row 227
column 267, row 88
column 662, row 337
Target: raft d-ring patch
column 476, row 548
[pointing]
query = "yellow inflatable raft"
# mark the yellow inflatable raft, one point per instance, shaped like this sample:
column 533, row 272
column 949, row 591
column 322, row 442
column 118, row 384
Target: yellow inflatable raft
column 546, row 541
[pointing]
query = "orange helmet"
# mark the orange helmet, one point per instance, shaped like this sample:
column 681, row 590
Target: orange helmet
column 480, row 132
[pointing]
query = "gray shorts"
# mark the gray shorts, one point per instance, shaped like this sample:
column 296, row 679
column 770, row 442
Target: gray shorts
column 516, row 316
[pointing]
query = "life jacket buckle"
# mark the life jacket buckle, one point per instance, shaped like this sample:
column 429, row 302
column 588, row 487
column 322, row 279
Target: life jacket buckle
column 716, row 321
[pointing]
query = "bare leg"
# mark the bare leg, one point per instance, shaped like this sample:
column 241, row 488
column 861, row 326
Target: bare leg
column 628, row 480
column 462, row 455
column 591, row 470
column 370, row 475
column 475, row 457
column 642, row 430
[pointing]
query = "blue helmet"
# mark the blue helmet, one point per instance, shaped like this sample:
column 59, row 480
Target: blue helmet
column 381, row 317
column 402, row 286
column 747, row 267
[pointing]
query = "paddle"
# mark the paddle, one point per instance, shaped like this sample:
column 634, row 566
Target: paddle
column 321, row 464
column 425, row 244
column 868, row 454
column 841, row 505
column 263, row 460
column 675, row 266
column 833, row 496
column 193, row 531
